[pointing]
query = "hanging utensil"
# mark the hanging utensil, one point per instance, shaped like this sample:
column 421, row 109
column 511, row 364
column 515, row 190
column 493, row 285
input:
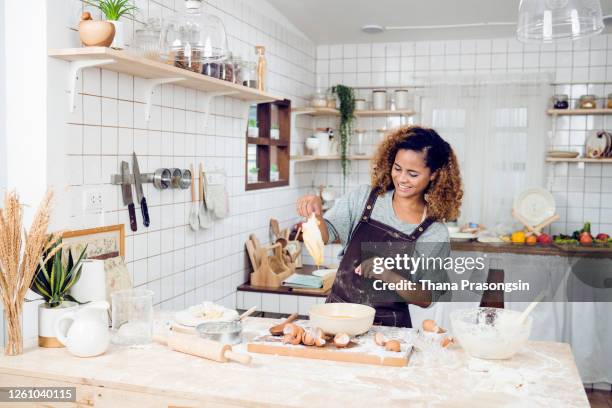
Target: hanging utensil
column 126, row 191
column 194, row 221
column 139, row 194
column 204, row 215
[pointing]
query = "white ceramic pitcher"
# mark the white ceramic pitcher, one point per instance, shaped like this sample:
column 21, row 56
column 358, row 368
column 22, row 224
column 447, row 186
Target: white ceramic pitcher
column 88, row 335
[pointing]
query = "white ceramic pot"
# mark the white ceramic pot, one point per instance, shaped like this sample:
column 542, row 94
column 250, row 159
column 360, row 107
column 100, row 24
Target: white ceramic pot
column 92, row 284
column 253, row 132
column 274, row 133
column 119, row 40
column 360, row 104
column 323, row 147
column 312, row 144
column 379, row 99
column 401, row 99
column 85, row 332
column 274, row 175
column 47, row 317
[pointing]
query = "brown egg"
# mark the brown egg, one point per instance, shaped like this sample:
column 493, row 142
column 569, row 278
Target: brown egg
column 379, row 339
column 308, row 338
column 341, row 340
column 447, row 341
column 430, row 326
column 319, row 337
column 393, row 345
column 293, row 334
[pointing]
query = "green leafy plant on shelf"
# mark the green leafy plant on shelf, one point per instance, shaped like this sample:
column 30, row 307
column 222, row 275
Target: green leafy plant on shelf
column 54, row 279
column 114, row 9
column 252, row 123
column 346, row 96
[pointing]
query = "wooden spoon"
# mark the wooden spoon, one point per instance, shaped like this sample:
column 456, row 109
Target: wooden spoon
column 278, row 329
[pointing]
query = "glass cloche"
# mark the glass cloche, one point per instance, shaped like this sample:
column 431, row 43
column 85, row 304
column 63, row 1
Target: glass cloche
column 192, row 38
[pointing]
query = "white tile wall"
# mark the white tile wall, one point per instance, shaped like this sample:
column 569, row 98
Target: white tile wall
column 582, row 194
column 183, row 267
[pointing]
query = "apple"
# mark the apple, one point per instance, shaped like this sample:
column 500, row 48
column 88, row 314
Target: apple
column 544, row 238
column 602, row 237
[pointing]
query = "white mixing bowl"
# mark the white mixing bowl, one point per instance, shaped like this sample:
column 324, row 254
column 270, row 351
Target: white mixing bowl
column 490, row 333
column 350, row 318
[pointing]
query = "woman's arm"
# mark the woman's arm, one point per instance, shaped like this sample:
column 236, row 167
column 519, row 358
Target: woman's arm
column 310, row 204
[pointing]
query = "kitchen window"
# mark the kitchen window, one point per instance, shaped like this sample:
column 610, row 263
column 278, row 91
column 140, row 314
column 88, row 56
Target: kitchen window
column 268, row 142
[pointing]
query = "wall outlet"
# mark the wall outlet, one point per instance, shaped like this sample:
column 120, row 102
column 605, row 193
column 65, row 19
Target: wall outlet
column 93, row 200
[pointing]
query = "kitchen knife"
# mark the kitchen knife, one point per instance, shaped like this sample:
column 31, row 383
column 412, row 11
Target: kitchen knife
column 139, row 194
column 126, row 190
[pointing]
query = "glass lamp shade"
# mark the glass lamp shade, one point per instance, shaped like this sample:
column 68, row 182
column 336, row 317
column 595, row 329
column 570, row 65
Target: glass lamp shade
column 546, row 21
column 192, row 38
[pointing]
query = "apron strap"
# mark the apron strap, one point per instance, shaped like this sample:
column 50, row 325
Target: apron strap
column 418, row 231
column 367, row 211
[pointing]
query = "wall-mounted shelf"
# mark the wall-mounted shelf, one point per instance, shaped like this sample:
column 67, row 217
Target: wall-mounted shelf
column 571, row 112
column 298, row 159
column 578, row 160
column 156, row 73
column 358, row 113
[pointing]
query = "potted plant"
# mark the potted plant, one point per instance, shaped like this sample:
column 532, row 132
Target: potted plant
column 274, row 132
column 253, row 130
column 274, row 175
column 52, row 281
column 253, row 174
column 113, row 10
column 346, row 96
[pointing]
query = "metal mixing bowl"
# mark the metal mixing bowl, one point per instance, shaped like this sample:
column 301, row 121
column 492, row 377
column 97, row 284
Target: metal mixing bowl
column 224, row 332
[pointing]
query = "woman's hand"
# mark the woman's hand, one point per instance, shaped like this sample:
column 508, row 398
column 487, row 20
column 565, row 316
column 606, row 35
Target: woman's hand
column 309, row 204
column 366, row 270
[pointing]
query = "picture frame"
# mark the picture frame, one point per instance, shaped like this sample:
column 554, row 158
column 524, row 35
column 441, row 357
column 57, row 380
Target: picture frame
column 102, row 242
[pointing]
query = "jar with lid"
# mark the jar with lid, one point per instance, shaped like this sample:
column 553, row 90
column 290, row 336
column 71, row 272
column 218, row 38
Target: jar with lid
column 401, row 99
column 359, row 147
column 146, row 39
column 360, row 104
column 379, row 99
column 192, row 38
column 318, row 99
column 587, row 102
column 560, row 101
column 238, row 66
column 249, row 74
column 609, row 101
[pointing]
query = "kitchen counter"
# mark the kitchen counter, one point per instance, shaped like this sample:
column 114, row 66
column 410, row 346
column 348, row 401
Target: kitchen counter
column 538, row 249
column 543, row 374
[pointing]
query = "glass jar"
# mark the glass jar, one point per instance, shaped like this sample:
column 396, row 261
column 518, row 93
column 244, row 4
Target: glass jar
column 318, row 99
column 213, row 69
column 359, row 147
column 227, row 68
column 560, row 101
column 249, row 74
column 192, row 38
column 587, row 102
column 146, row 39
column 238, row 65
column 609, row 101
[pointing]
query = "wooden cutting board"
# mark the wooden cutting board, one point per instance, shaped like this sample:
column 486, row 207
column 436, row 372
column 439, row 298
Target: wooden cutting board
column 362, row 350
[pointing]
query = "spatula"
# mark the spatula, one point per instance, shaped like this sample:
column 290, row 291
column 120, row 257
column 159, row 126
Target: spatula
column 204, row 216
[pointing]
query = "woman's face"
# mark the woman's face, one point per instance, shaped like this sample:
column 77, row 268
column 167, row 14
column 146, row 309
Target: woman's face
column 409, row 173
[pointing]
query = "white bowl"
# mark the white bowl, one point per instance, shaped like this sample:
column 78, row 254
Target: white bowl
column 350, row 318
column 312, row 143
column 490, row 333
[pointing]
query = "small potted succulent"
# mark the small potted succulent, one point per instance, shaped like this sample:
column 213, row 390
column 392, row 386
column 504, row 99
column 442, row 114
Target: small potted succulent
column 274, row 174
column 52, row 281
column 253, row 174
column 253, row 130
column 113, row 10
column 274, row 132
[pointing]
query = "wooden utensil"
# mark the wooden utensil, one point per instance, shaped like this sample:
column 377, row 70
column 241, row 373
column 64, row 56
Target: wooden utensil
column 278, row 329
column 194, row 221
column 546, row 222
column 199, row 347
column 204, row 215
column 275, row 228
column 524, row 222
column 252, row 254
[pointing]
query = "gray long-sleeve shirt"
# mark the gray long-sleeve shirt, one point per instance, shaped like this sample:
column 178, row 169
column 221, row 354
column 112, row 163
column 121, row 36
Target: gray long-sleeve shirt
column 344, row 216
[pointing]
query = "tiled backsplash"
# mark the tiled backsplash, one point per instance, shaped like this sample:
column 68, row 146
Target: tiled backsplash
column 582, row 193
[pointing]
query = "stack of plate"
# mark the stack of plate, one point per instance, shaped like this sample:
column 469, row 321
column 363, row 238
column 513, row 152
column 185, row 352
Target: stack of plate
column 562, row 154
column 599, row 145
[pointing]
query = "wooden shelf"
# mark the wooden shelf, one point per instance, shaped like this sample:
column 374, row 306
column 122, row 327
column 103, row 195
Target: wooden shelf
column 127, row 63
column 298, row 159
column 579, row 112
column 362, row 113
column 579, row 160
column 267, row 141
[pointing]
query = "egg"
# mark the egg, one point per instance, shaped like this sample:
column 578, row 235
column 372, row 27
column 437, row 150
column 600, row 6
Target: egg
column 430, row 326
column 379, row 339
column 447, row 341
column 393, row 345
column 341, row 340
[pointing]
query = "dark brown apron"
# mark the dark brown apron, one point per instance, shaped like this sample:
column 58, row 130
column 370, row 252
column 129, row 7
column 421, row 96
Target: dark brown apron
column 348, row 286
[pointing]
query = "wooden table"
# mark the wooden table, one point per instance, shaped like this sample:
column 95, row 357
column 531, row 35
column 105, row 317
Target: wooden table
column 544, row 374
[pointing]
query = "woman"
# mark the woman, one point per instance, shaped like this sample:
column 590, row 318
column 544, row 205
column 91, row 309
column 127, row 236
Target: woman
column 415, row 187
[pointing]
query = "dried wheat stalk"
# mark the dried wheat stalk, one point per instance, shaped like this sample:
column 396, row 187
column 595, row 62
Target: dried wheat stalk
column 19, row 258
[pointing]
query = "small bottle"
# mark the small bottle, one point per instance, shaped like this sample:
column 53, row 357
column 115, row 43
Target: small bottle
column 609, row 101
column 260, row 50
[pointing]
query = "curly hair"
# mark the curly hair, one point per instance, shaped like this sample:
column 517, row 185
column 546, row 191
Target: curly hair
column 444, row 193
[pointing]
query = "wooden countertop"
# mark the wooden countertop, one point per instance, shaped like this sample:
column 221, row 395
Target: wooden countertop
column 538, row 249
column 543, row 374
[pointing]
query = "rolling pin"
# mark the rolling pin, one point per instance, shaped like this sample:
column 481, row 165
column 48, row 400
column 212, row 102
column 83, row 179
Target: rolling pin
column 211, row 350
